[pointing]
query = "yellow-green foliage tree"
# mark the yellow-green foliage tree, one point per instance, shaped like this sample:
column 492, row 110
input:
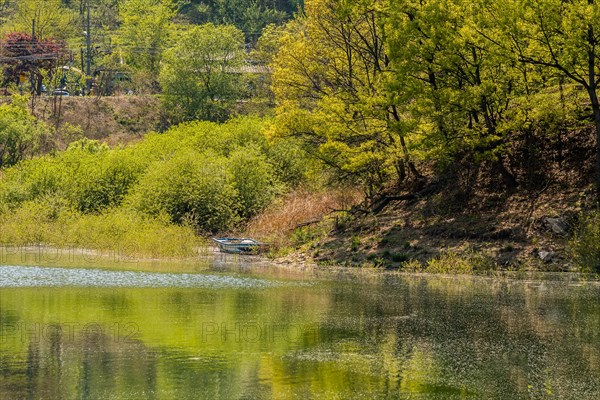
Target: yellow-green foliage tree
column 375, row 87
column 48, row 18
column 329, row 79
column 455, row 83
column 562, row 37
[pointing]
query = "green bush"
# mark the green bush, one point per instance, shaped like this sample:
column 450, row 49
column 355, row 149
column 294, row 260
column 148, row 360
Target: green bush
column 20, row 132
column 254, row 180
column 203, row 135
column 291, row 164
column 32, row 179
column 190, row 189
column 102, row 180
column 584, row 245
column 203, row 175
column 466, row 261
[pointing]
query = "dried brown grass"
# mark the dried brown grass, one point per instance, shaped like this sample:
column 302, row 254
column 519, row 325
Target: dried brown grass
column 112, row 119
column 301, row 206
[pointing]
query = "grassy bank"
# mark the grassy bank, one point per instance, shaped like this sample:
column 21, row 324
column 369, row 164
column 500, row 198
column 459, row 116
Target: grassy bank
column 126, row 232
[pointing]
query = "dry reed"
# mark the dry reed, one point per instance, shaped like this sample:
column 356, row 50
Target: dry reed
column 299, row 207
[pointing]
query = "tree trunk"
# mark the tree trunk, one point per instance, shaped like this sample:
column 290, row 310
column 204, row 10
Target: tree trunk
column 509, row 179
column 406, row 155
column 596, row 110
column 592, row 91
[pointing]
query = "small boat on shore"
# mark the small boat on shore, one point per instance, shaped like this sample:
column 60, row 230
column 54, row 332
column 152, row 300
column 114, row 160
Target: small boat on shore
column 240, row 245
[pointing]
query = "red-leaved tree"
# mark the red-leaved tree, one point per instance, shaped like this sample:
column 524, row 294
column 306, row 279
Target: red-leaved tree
column 22, row 54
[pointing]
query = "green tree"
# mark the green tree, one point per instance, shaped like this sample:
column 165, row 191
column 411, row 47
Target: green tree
column 250, row 16
column 329, row 78
column 263, row 53
column 562, row 36
column 201, row 76
column 145, row 32
column 453, row 82
column 20, row 132
column 49, row 18
column 268, row 44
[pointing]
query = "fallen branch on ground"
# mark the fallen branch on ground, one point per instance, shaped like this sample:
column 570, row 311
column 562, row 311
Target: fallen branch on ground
column 378, row 205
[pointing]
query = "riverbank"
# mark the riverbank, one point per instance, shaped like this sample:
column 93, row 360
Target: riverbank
column 209, row 259
column 202, row 258
column 486, row 233
column 487, row 236
column 159, row 196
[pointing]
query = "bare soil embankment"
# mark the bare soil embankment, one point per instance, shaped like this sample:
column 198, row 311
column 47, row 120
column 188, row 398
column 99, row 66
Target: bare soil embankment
column 522, row 231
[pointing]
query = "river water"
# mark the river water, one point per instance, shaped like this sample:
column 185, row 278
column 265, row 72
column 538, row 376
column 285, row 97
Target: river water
column 273, row 333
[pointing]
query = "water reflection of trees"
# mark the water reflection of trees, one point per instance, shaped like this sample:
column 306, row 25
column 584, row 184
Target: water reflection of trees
column 383, row 337
column 453, row 336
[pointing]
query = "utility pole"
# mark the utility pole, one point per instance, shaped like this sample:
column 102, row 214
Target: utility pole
column 34, row 84
column 33, row 54
column 88, row 42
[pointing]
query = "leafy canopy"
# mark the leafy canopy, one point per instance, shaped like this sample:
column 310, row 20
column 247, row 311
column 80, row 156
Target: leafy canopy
column 202, row 76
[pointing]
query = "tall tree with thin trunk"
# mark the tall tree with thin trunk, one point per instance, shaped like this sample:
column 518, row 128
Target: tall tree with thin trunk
column 202, row 77
column 563, row 36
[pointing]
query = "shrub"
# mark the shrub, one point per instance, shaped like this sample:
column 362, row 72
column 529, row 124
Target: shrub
column 254, row 180
column 200, row 174
column 20, row 132
column 32, row 179
column 399, row 257
column 355, row 243
column 466, row 261
column 102, row 180
column 190, row 189
column 584, row 245
column 291, row 164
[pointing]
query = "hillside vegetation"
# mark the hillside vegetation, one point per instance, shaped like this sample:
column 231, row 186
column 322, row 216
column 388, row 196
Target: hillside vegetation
column 434, row 129
column 198, row 177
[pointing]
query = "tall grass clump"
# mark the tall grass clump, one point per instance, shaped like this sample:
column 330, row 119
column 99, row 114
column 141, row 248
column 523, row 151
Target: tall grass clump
column 121, row 231
column 279, row 223
column 453, row 262
column 584, row 245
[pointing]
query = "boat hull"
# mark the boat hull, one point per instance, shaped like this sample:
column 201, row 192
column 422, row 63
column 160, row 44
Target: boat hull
column 239, row 246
